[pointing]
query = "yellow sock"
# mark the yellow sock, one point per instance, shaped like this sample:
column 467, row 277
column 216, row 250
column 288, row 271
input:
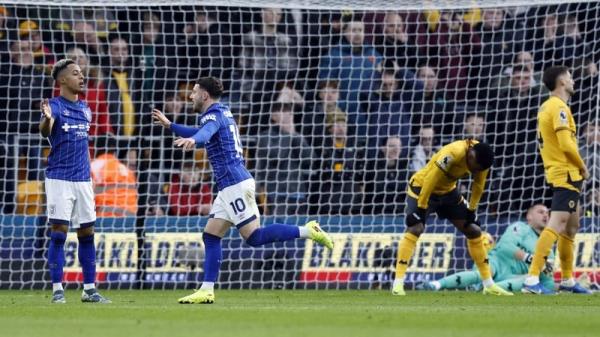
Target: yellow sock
column 479, row 256
column 566, row 246
column 406, row 248
column 542, row 249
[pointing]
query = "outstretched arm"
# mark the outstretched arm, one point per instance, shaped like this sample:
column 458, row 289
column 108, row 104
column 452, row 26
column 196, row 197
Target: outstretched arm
column 183, row 131
column 200, row 138
column 179, row 130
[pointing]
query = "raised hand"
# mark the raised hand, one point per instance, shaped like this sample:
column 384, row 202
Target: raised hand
column 159, row 118
column 46, row 109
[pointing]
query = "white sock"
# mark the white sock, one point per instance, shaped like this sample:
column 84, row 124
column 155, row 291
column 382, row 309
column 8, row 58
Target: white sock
column 398, row 281
column 207, row 286
column 57, row 286
column 88, row 286
column 531, row 280
column 488, row 282
column 568, row 282
column 436, row 284
column 303, row 232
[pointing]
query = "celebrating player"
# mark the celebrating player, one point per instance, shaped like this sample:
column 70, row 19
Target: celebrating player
column 565, row 172
column 433, row 189
column 69, row 194
column 235, row 203
column 510, row 259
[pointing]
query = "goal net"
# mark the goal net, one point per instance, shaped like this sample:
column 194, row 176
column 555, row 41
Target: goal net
column 338, row 103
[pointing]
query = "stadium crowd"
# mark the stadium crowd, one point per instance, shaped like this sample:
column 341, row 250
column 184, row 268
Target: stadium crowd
column 337, row 109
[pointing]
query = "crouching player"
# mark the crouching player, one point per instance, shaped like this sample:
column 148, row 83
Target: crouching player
column 509, row 260
column 433, row 189
column 235, row 204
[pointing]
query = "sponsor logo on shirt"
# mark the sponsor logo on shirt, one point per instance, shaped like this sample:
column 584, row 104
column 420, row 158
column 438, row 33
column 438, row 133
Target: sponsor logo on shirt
column 228, row 114
column 81, row 130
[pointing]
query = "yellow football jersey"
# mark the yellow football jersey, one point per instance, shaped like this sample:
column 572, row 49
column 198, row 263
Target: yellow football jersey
column 451, row 161
column 554, row 115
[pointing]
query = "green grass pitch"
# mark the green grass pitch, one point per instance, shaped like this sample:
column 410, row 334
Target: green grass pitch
column 248, row 313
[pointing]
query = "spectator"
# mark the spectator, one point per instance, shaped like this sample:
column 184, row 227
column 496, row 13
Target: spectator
column 156, row 71
column 585, row 75
column 498, row 44
column 522, row 59
column 123, row 90
column 86, row 38
column 43, row 57
column 553, row 47
column 432, row 109
column 286, row 93
column 324, row 30
column 23, row 87
column 102, row 19
column 449, row 47
column 475, row 128
column 385, row 193
column 354, row 64
column 313, row 123
column 114, row 183
column 284, row 160
column 424, row 150
column 94, row 95
column 512, row 119
column 267, row 57
column 188, row 193
column 387, row 116
column 337, row 187
column 395, row 43
column 515, row 108
column 203, row 48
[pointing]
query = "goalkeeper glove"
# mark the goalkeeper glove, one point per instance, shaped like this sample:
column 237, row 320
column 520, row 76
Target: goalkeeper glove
column 416, row 217
column 528, row 258
column 548, row 267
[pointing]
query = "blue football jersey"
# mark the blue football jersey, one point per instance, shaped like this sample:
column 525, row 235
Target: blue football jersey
column 69, row 154
column 224, row 149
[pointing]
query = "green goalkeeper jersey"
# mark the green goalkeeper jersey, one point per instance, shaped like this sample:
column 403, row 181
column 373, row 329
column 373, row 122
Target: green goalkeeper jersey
column 518, row 235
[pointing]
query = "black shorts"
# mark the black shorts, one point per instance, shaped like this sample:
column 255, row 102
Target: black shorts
column 449, row 206
column 564, row 199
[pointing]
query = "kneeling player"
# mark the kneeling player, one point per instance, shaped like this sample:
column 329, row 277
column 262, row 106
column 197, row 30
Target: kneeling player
column 235, row 203
column 509, row 260
column 433, row 189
